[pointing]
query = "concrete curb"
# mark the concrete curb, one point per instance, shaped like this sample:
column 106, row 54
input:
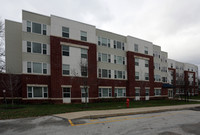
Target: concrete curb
column 130, row 111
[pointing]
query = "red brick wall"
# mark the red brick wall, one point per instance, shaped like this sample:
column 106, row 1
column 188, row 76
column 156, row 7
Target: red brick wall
column 56, row 70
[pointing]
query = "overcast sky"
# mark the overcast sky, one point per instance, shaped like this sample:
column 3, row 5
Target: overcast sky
column 172, row 24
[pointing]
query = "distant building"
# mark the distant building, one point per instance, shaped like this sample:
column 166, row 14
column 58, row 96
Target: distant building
column 48, row 53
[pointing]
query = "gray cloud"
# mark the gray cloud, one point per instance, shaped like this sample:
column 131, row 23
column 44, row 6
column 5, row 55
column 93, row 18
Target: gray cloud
column 174, row 25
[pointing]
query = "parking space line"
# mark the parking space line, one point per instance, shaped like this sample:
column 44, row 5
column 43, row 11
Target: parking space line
column 71, row 123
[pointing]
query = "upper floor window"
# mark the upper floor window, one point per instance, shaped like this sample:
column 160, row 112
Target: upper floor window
column 120, row 74
column 66, row 69
column 44, row 29
column 28, row 28
column 146, row 63
column 136, row 75
column 136, row 62
column 65, row 32
column 36, row 67
column 105, row 73
column 36, row 28
column 145, row 50
column 65, row 50
column 84, row 70
column 36, row 47
column 83, row 36
column 103, row 41
column 119, row 60
column 104, row 57
column 146, row 76
column 84, row 53
column 119, row 45
column 136, row 47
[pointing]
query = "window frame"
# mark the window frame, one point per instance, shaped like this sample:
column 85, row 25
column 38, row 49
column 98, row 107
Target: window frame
column 67, row 70
column 65, row 32
column 66, row 92
column 31, row 91
column 83, row 36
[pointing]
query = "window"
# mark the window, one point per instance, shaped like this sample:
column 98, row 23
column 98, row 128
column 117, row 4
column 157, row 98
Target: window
column 36, row 28
column 136, row 62
column 119, row 45
column 137, row 91
column 157, row 78
column 124, row 61
column 37, row 92
column 136, row 75
column 83, row 92
column 66, row 92
column 65, row 32
column 145, row 50
column 28, row 46
column 37, row 67
column 36, row 47
column 28, row 26
column 65, row 50
column 115, row 44
column 146, row 76
column 119, row 60
column 164, row 79
column 99, row 56
column 157, row 66
column 136, row 47
column 105, row 92
column 65, row 69
column 44, row 31
column 109, row 58
column 84, row 53
column 44, row 49
column 115, row 59
column 104, row 41
column 83, row 36
column 104, row 73
column 84, row 70
column 146, row 63
column 99, row 72
column 146, row 92
column 104, row 57
column 157, row 92
column 99, row 40
column 120, row 74
column 120, row 92
column 44, row 68
column 29, row 67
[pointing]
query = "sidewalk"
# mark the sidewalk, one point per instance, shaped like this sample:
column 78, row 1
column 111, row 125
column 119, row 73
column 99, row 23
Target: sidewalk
column 120, row 112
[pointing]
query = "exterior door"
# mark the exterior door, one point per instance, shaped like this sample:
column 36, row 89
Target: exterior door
column 66, row 94
column 137, row 94
column 147, row 94
column 170, row 93
column 84, row 94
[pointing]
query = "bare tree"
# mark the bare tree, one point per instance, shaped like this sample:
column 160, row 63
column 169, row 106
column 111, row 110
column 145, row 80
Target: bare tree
column 2, row 48
column 11, row 83
column 83, row 68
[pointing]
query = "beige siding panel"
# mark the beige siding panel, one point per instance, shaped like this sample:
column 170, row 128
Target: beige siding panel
column 111, row 66
column 35, row 37
column 26, row 15
column 13, row 46
column 36, row 57
column 110, row 35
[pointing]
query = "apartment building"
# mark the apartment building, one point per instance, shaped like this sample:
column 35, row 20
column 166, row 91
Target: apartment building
column 183, row 77
column 61, row 60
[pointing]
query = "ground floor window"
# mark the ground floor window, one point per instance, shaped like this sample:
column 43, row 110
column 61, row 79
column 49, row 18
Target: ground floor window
column 146, row 92
column 120, row 92
column 66, row 92
column 137, row 91
column 105, row 92
column 157, row 92
column 84, row 92
column 37, row 92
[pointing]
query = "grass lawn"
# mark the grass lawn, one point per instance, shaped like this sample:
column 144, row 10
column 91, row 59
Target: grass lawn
column 34, row 110
column 195, row 97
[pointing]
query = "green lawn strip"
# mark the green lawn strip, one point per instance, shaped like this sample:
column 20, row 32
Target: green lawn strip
column 30, row 110
column 195, row 97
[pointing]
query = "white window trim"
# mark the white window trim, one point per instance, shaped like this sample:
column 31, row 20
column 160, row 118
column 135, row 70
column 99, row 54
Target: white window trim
column 34, row 85
column 32, row 68
column 41, row 27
